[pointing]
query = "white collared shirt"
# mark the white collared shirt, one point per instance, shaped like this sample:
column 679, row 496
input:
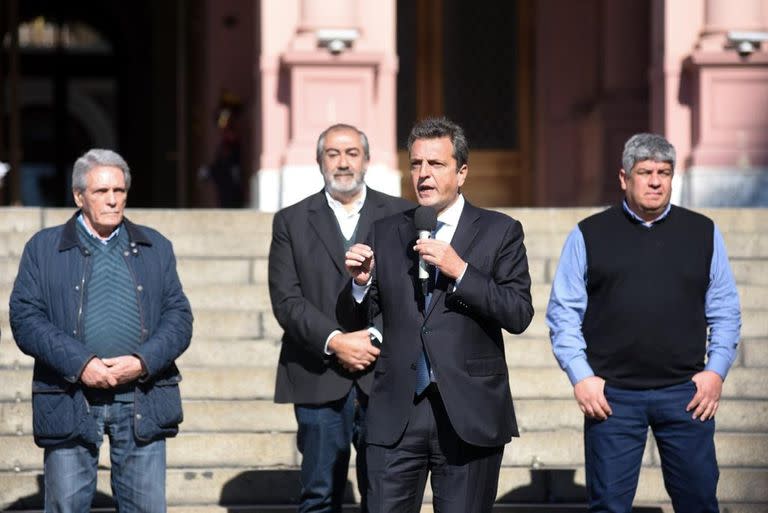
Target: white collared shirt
column 347, row 218
column 447, row 222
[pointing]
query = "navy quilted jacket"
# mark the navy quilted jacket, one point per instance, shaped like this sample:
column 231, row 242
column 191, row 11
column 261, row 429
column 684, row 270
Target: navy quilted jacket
column 46, row 314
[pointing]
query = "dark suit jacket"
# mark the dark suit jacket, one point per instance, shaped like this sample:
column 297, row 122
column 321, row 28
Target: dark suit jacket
column 306, row 273
column 461, row 330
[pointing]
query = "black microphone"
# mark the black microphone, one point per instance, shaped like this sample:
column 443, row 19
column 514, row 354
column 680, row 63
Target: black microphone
column 425, row 220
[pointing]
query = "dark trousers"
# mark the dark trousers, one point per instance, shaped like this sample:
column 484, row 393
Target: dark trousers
column 325, row 435
column 614, row 450
column 464, row 477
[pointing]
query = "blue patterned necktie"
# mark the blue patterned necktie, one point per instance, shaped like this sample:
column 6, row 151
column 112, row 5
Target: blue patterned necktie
column 422, row 372
column 423, row 375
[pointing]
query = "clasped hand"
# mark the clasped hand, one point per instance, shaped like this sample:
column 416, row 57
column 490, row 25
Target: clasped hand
column 111, row 372
column 354, row 350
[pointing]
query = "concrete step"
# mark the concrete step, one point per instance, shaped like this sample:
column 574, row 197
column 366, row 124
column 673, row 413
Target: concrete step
column 253, row 323
column 264, row 416
column 192, row 271
column 547, row 220
column 522, row 351
column 229, row 353
column 754, row 352
column 246, row 486
column 535, row 220
column 175, row 221
column 20, row 219
column 427, row 508
column 562, row 448
column 258, row 383
column 9, row 266
column 12, row 243
column 750, row 271
column 254, row 298
column 219, row 271
column 253, row 270
column 229, row 297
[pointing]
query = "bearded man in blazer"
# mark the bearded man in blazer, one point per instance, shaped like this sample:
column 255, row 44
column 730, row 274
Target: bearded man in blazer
column 324, row 367
column 440, row 400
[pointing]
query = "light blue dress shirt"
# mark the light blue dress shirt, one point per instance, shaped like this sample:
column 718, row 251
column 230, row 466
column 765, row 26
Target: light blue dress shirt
column 568, row 303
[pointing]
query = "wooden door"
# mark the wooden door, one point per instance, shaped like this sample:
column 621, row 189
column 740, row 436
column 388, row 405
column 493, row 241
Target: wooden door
column 470, row 61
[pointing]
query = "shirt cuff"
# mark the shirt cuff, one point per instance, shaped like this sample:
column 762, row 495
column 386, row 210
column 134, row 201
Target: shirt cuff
column 578, row 369
column 458, row 280
column 359, row 291
column 376, row 333
column 719, row 364
column 325, row 347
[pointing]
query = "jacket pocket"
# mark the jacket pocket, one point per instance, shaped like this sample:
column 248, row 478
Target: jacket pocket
column 165, row 400
column 158, row 409
column 486, row 366
column 59, row 412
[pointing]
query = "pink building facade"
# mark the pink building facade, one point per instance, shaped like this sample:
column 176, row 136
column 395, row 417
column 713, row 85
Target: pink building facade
column 673, row 67
column 548, row 91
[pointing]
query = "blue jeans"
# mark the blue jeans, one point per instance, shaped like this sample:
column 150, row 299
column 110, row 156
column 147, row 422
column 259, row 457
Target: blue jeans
column 325, row 434
column 138, row 470
column 614, row 450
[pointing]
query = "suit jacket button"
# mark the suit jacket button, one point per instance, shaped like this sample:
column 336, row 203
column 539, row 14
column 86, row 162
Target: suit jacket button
column 425, row 329
column 413, row 366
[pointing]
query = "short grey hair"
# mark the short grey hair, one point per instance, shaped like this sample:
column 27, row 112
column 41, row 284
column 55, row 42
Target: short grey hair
column 98, row 157
column 437, row 128
column 642, row 147
column 341, row 126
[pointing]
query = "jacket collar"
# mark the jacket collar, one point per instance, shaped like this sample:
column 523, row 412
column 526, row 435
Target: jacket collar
column 69, row 238
column 466, row 231
column 323, row 221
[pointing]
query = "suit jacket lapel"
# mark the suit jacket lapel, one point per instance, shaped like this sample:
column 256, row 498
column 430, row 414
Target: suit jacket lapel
column 322, row 220
column 407, row 233
column 465, row 233
column 368, row 213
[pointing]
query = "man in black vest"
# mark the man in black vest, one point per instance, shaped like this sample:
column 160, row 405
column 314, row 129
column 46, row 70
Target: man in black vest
column 324, row 367
column 639, row 290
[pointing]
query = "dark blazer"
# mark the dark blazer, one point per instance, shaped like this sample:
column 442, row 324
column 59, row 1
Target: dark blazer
column 306, row 273
column 461, row 330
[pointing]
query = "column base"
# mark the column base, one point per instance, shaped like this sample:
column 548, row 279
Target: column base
column 712, row 186
column 273, row 189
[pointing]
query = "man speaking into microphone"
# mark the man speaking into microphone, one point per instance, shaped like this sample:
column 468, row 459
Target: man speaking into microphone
column 440, row 401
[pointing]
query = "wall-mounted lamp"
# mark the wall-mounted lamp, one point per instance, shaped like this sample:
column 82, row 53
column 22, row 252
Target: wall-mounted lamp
column 746, row 42
column 336, row 40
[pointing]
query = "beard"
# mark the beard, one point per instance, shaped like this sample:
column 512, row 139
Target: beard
column 345, row 186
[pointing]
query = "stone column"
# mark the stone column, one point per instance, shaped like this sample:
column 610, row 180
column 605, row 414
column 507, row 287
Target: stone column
column 338, row 67
column 729, row 110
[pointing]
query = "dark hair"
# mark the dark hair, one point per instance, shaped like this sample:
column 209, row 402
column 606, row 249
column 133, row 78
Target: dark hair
column 435, row 128
column 341, row 126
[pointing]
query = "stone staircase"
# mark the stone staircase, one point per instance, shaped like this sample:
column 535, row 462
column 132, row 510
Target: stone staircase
column 236, row 450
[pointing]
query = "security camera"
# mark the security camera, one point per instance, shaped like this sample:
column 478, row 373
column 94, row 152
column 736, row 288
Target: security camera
column 746, row 42
column 336, row 40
